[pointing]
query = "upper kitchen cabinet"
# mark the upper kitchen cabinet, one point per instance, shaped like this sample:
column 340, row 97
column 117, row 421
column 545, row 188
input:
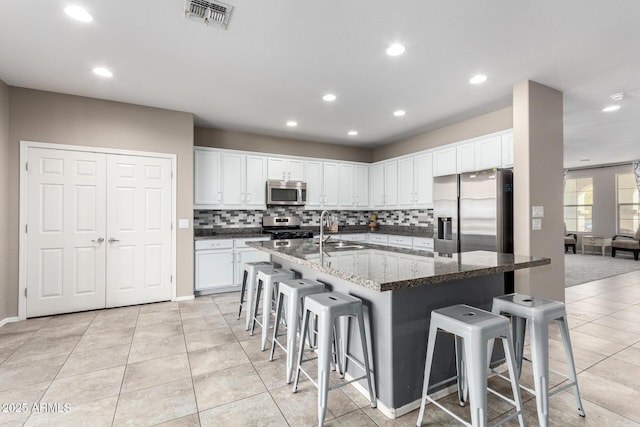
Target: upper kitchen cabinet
column 383, row 184
column 346, row 185
column 466, row 157
column 444, row 161
column 361, row 186
column 507, row 150
column 406, row 181
column 229, row 179
column 313, row 177
column 353, row 186
column 207, row 193
column 330, row 184
column 423, row 185
column 489, row 153
column 285, row 169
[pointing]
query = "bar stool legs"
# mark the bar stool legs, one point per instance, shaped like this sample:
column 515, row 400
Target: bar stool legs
column 328, row 307
column 538, row 312
column 474, row 329
column 268, row 279
column 249, row 286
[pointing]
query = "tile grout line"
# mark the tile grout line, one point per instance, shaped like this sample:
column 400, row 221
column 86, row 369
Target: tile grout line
column 126, row 365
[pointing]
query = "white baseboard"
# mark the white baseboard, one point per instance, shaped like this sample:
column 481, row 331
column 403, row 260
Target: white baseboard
column 393, row 413
column 185, row 298
column 8, row 320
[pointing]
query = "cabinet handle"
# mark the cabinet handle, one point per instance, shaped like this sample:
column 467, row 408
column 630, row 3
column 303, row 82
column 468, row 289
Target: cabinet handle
column 248, row 197
column 98, row 240
column 284, row 176
column 289, row 175
column 219, row 196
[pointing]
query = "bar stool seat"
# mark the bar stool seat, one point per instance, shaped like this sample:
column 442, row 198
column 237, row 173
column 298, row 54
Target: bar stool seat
column 249, row 286
column 268, row 279
column 329, row 307
column 538, row 312
column 474, row 329
column 295, row 290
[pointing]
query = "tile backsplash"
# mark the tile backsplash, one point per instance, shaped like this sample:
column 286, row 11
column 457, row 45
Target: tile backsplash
column 253, row 218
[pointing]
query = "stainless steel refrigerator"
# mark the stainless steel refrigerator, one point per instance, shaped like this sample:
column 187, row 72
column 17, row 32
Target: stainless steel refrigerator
column 474, row 211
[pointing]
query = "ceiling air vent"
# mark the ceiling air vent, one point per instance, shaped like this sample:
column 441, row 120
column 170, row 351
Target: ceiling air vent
column 208, row 12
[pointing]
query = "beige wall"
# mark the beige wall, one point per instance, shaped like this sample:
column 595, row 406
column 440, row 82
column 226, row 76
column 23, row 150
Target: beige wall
column 538, row 178
column 73, row 120
column 4, row 198
column 477, row 126
column 216, row 138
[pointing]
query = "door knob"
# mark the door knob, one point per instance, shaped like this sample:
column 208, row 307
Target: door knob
column 111, row 240
column 98, row 240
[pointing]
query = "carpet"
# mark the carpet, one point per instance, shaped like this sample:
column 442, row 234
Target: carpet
column 586, row 268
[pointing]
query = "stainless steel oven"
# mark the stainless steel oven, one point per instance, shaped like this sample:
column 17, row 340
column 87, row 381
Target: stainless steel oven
column 286, row 193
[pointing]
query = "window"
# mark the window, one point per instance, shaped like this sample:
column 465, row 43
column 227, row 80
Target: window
column 578, row 204
column 628, row 203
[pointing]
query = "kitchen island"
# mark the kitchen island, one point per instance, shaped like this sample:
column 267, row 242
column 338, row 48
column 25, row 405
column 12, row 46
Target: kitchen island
column 399, row 289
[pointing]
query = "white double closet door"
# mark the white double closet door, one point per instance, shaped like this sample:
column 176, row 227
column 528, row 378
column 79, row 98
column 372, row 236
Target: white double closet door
column 98, row 230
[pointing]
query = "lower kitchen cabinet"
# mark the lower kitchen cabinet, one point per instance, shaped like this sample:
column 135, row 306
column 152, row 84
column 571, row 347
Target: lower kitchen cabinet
column 219, row 263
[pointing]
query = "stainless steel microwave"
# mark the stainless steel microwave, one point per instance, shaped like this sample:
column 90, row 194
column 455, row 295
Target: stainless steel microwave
column 286, row 193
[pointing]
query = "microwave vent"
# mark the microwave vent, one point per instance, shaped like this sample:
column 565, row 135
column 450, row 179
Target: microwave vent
column 208, row 12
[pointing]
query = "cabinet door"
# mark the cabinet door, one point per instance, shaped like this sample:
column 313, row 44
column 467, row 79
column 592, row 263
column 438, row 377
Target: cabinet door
column 313, row 177
column 256, row 177
column 466, row 157
column 489, row 153
column 233, row 180
column 361, row 186
column 276, row 168
column 507, row 150
column 214, row 269
column 206, row 184
column 295, row 170
column 376, row 185
column 406, row 194
column 423, row 187
column 444, row 162
column 346, row 198
column 391, row 184
column 330, row 184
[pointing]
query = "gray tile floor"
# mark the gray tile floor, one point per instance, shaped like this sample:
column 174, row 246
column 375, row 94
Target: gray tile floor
column 192, row 363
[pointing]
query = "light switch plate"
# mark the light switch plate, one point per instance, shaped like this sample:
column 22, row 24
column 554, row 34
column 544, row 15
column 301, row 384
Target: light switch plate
column 537, row 211
column 183, row 223
column 536, row 224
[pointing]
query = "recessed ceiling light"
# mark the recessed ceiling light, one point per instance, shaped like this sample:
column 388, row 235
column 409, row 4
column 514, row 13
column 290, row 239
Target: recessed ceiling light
column 352, row 132
column 103, row 72
column 617, row 96
column 611, row 108
column 78, row 13
column 329, row 97
column 395, row 49
column 585, row 159
column 399, row 113
column 292, row 123
column 478, row 78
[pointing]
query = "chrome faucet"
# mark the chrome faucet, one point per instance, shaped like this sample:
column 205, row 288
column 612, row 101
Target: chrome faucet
column 322, row 227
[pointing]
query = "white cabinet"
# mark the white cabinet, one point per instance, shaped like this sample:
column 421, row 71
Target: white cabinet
column 206, row 184
column 423, row 187
column 401, row 241
column 406, row 180
column 346, row 185
column 243, row 181
column 379, row 239
column 361, row 186
column 466, row 157
column 507, row 150
column 227, row 179
column 423, row 244
column 330, row 184
column 214, row 264
column 489, row 153
column 313, row 177
column 285, row 169
column 356, row 237
column 444, row 161
column 384, row 184
column 219, row 263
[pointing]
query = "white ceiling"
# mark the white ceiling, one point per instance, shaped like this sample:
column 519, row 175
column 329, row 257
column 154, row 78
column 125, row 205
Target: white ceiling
column 278, row 57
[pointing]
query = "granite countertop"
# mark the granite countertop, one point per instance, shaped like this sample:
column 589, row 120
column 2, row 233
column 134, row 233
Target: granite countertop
column 240, row 232
column 383, row 268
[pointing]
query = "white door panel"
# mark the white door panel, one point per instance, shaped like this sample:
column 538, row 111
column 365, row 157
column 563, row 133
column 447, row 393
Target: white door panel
column 65, row 218
column 139, row 236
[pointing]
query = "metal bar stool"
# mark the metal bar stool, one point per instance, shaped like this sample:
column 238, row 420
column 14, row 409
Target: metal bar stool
column 475, row 330
column 539, row 312
column 249, row 286
column 268, row 279
column 295, row 291
column 330, row 307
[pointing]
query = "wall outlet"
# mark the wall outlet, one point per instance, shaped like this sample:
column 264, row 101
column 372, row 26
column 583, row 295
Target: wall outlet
column 536, row 224
column 183, row 223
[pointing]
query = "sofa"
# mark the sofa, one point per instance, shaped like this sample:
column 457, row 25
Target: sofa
column 570, row 240
column 622, row 242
